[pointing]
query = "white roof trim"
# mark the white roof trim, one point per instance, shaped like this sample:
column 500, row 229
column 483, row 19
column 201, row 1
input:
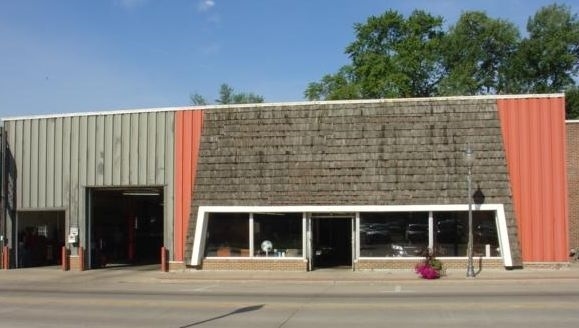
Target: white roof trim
column 285, row 104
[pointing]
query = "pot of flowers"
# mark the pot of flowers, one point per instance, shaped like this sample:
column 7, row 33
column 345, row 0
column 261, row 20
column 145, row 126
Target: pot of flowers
column 430, row 267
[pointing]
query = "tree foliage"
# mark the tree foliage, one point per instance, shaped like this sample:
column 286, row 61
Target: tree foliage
column 477, row 53
column 397, row 56
column 391, row 57
column 197, row 99
column 335, row 86
column 227, row 95
column 548, row 60
column 572, row 103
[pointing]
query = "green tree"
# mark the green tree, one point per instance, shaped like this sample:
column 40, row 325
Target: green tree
column 572, row 103
column 341, row 85
column 477, row 52
column 392, row 56
column 548, row 59
column 227, row 95
column 397, row 57
column 197, row 99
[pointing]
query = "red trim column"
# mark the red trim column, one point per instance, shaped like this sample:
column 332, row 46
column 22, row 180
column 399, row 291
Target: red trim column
column 188, row 128
column 533, row 132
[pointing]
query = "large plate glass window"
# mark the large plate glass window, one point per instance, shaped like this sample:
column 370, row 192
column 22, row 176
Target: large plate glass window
column 227, row 235
column 485, row 236
column 393, row 234
column 451, row 234
column 406, row 234
column 283, row 231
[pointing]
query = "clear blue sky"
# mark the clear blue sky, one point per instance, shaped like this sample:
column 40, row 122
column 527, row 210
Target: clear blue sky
column 63, row 56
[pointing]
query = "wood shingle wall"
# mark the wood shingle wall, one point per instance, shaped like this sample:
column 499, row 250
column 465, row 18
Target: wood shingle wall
column 392, row 152
column 573, row 180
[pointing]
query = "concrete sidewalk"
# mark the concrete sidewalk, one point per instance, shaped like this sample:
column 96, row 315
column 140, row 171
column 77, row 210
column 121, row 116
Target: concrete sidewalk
column 152, row 274
column 343, row 275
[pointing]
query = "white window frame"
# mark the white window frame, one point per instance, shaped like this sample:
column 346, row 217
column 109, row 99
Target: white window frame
column 203, row 211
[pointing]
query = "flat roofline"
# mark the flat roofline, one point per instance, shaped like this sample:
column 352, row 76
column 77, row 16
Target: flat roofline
column 283, row 104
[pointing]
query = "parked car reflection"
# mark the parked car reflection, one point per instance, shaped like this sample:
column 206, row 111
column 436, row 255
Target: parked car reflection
column 449, row 231
column 417, row 232
column 398, row 250
column 486, row 233
column 381, row 233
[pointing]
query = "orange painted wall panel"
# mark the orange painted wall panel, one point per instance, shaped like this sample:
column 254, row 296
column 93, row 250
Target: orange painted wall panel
column 188, row 126
column 533, row 132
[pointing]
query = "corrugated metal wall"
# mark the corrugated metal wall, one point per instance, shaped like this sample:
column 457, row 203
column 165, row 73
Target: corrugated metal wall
column 57, row 157
column 534, row 135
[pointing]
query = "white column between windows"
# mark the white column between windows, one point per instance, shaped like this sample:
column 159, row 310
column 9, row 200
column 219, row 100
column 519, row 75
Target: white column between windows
column 431, row 230
column 251, row 234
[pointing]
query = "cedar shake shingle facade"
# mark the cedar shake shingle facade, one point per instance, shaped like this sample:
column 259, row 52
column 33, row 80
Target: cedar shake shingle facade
column 399, row 152
column 573, row 178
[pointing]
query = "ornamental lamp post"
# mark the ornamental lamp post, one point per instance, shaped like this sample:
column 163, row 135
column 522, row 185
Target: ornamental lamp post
column 469, row 160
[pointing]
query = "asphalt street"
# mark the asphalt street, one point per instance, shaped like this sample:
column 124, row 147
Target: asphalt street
column 145, row 297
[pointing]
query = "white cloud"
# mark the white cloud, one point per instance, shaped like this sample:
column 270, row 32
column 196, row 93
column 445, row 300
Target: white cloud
column 205, row 5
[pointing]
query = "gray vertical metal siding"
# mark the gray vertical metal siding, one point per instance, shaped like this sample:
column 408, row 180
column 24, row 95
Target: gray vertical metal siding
column 58, row 157
column 167, row 172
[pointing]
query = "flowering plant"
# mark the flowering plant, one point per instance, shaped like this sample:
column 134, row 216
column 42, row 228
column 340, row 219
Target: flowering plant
column 430, row 267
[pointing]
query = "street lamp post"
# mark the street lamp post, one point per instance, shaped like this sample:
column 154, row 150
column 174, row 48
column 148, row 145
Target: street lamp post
column 469, row 159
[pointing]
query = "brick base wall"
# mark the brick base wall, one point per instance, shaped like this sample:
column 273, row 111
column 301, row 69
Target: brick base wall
column 255, row 265
column 74, row 263
column 177, row 266
column 365, row 264
column 387, row 264
column 546, row 265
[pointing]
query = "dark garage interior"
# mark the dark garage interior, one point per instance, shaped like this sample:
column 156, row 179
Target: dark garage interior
column 126, row 227
column 40, row 238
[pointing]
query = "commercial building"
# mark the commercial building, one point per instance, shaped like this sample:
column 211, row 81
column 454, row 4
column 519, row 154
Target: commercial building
column 366, row 184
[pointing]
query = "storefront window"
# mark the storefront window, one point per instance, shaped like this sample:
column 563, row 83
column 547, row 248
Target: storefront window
column 282, row 230
column 485, row 236
column 393, row 234
column 450, row 233
column 401, row 234
column 227, row 235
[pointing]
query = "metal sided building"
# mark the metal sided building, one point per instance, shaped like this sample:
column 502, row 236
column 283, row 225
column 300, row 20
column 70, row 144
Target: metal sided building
column 364, row 185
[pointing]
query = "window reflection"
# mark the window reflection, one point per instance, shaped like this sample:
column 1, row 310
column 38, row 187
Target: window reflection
column 485, row 236
column 406, row 234
column 393, row 234
column 450, row 233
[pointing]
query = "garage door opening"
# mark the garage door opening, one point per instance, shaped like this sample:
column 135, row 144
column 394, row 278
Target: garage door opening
column 40, row 238
column 126, row 227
